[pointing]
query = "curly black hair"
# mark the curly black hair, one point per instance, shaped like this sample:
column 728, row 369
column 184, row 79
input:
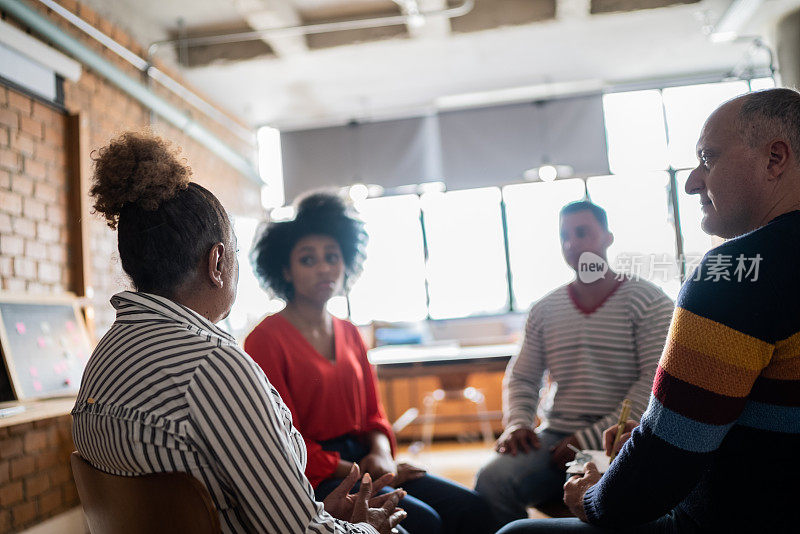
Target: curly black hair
column 318, row 213
column 165, row 223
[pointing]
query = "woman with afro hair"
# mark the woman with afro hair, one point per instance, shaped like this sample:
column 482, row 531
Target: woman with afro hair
column 318, row 363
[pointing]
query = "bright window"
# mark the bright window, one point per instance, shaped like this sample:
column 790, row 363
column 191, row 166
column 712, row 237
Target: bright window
column 757, row 84
column 252, row 303
column 687, row 109
column 537, row 266
column 635, row 131
column 392, row 286
column 695, row 241
column 466, row 253
column 638, row 216
column 270, row 167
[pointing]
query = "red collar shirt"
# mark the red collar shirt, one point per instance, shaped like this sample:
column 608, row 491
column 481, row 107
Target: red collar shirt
column 327, row 399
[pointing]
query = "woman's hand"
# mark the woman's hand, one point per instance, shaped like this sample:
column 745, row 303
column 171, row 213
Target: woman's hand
column 383, row 518
column 340, row 503
column 377, row 463
column 405, row 473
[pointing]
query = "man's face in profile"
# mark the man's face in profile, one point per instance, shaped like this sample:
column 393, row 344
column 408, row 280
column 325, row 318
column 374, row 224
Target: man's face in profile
column 727, row 179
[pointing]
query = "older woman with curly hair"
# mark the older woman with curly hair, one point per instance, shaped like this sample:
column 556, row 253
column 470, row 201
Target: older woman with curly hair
column 319, row 365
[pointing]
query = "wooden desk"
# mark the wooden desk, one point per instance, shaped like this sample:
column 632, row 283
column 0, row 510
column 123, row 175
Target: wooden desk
column 34, row 410
column 441, row 360
column 408, row 373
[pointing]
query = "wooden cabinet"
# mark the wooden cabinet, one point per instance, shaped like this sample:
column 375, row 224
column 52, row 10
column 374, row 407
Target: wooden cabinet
column 401, row 393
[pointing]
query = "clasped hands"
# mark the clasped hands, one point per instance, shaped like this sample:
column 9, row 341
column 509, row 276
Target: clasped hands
column 364, row 506
column 379, row 511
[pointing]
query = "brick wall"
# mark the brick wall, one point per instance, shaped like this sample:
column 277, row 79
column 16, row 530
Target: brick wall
column 34, row 181
column 35, row 478
column 33, row 185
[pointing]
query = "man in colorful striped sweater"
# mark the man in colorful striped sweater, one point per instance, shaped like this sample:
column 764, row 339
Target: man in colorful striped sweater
column 715, row 448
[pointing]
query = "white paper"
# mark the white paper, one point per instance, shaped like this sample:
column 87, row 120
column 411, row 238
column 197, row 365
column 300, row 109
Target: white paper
column 598, row 457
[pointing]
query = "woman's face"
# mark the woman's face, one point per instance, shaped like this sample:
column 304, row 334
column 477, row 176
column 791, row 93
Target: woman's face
column 316, row 269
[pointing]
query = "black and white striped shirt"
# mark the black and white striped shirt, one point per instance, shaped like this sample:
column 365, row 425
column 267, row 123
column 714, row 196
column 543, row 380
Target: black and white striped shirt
column 166, row 390
column 597, row 360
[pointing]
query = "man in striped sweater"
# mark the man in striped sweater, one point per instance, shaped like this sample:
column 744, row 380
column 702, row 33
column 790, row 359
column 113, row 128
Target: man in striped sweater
column 599, row 338
column 715, row 448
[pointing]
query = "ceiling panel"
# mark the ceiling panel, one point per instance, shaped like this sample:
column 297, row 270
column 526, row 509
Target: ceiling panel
column 339, row 9
column 618, row 6
column 489, row 14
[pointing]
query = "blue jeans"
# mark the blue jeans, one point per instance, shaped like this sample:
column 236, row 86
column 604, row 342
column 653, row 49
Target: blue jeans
column 434, row 505
column 512, row 483
column 675, row 522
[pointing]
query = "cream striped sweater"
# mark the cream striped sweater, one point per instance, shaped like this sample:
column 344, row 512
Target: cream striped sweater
column 596, row 359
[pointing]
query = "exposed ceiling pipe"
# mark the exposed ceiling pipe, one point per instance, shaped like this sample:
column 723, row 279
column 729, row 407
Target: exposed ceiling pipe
column 305, row 29
column 733, row 20
column 153, row 72
column 182, row 120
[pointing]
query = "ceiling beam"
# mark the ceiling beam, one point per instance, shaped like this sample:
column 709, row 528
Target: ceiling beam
column 262, row 14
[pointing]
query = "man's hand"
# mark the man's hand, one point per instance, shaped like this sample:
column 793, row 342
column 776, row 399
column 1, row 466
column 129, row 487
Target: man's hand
column 561, row 453
column 340, row 502
column 377, row 464
column 611, row 433
column 406, row 472
column 576, row 487
column 383, row 518
column 517, row 439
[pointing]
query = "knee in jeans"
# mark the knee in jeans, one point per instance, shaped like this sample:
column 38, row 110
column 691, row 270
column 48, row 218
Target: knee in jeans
column 430, row 521
column 491, row 479
column 476, row 510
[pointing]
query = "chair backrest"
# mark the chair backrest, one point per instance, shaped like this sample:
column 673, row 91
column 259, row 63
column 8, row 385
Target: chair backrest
column 149, row 504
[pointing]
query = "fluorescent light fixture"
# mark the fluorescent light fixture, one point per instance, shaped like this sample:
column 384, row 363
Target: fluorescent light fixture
column 39, row 52
column 733, row 20
column 722, row 37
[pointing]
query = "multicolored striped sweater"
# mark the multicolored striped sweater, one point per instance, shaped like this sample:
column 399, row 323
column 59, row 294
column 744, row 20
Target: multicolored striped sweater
column 720, row 436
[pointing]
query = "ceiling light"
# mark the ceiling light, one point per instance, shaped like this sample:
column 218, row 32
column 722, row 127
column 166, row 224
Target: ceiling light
column 548, row 173
column 415, row 21
column 358, row 192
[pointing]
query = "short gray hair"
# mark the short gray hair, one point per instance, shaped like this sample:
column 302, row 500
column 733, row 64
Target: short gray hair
column 771, row 113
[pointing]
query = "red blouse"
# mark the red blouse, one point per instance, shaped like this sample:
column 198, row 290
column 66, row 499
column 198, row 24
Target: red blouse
column 327, row 399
